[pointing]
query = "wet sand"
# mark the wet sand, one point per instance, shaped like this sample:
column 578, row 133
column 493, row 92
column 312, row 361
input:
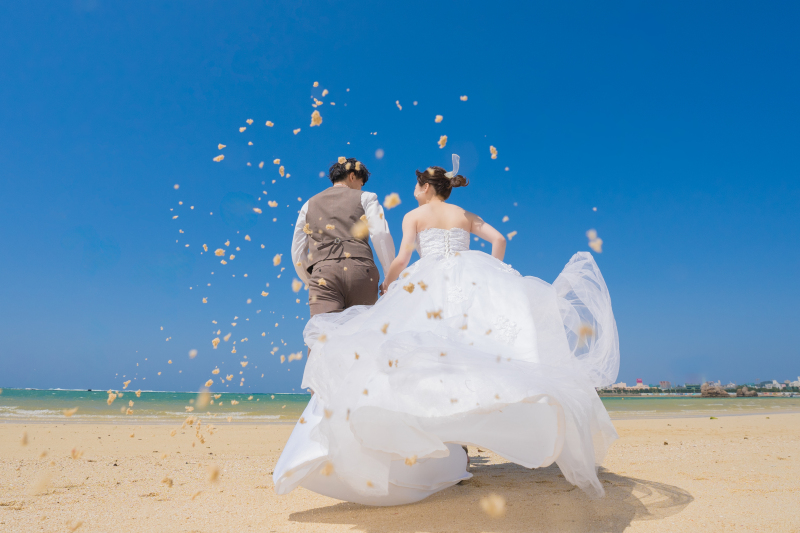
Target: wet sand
column 739, row 473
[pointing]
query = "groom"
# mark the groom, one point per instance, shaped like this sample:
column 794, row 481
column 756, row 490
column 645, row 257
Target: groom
column 330, row 250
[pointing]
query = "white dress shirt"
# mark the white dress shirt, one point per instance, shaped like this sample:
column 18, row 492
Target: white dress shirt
column 378, row 231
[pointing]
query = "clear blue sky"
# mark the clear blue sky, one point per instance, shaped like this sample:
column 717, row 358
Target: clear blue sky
column 678, row 121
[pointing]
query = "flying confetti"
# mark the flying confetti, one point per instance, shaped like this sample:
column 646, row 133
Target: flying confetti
column 438, row 118
column 316, row 118
column 595, row 243
column 391, row 200
column 442, row 141
column 360, row 230
column 494, row 505
column 219, row 158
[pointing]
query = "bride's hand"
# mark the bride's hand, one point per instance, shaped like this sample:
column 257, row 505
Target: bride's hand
column 382, row 289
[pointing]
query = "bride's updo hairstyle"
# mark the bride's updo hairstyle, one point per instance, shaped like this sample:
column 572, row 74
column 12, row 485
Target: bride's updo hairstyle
column 435, row 177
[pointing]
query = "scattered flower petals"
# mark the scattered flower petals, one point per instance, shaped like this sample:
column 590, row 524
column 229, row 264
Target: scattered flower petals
column 277, row 259
column 316, row 118
column 270, row 124
column 464, row 98
column 391, row 200
column 257, row 210
column 442, row 141
column 360, row 230
column 511, row 235
column 595, row 243
column 296, row 131
column 219, row 158
column 220, row 146
column 494, row 505
column 438, row 118
column 493, row 151
column 297, row 285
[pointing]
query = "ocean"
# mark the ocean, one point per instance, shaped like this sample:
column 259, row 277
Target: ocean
column 29, row 405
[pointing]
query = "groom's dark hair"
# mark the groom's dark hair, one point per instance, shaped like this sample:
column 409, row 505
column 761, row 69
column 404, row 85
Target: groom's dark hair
column 340, row 170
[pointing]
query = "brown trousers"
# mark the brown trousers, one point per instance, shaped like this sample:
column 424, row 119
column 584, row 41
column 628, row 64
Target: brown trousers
column 347, row 282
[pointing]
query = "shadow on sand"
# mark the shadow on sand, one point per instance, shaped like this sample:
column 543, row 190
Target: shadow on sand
column 537, row 500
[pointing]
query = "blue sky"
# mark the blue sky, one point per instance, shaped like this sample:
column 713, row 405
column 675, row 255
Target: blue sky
column 678, row 121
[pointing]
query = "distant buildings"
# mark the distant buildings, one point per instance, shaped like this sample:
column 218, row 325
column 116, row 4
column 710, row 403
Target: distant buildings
column 690, row 388
column 624, row 386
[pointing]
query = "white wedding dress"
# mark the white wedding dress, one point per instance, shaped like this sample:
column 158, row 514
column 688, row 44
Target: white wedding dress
column 461, row 350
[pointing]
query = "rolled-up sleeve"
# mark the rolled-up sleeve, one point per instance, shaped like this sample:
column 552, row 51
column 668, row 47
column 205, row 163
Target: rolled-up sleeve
column 378, row 230
column 300, row 246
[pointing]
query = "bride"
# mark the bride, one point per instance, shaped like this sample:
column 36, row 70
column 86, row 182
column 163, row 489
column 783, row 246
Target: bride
column 460, row 350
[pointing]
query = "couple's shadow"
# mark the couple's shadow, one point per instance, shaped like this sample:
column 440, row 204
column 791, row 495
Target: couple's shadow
column 537, row 500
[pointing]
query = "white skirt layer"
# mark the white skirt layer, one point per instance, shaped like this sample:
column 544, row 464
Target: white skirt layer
column 461, row 350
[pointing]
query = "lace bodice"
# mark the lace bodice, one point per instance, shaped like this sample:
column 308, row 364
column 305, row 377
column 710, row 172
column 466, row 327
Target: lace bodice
column 446, row 242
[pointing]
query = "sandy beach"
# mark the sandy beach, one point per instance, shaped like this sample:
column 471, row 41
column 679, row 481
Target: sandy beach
column 738, row 473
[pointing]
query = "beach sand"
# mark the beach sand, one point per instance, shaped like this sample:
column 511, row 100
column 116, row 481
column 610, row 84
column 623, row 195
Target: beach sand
column 738, row 473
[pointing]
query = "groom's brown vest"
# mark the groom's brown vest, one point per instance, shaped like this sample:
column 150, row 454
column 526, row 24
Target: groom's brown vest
column 331, row 214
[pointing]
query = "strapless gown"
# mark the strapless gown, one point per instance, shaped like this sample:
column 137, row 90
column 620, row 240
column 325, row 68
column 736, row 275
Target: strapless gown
column 461, row 350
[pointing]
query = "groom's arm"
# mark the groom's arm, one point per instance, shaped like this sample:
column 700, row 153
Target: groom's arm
column 300, row 246
column 378, row 230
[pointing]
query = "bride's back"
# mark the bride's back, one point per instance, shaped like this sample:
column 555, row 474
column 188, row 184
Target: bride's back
column 443, row 216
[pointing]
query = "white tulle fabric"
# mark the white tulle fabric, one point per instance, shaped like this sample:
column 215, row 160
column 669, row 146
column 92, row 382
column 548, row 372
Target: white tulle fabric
column 461, row 350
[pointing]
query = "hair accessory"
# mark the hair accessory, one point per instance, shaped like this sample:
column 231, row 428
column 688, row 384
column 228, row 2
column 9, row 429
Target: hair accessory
column 453, row 172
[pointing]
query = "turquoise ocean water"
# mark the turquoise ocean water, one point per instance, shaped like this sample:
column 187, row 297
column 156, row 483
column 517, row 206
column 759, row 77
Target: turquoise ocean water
column 17, row 405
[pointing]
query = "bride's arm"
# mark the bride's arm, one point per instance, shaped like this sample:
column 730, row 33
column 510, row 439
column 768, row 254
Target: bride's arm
column 404, row 255
column 488, row 233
